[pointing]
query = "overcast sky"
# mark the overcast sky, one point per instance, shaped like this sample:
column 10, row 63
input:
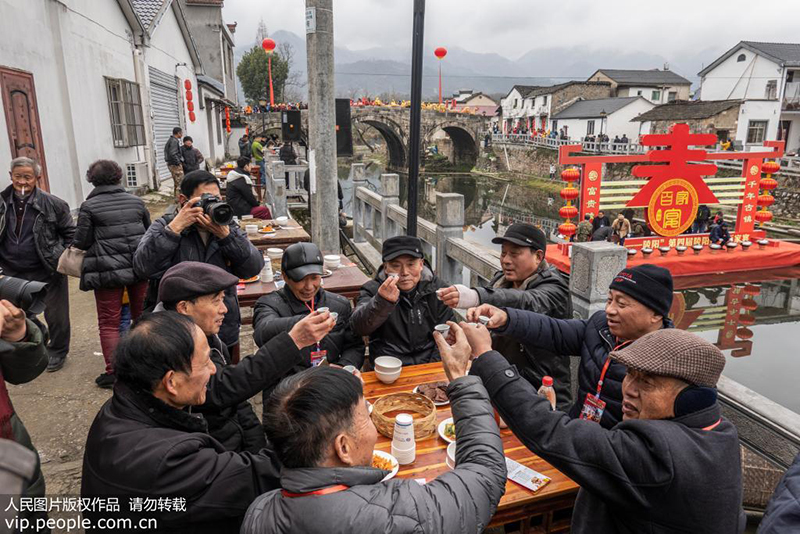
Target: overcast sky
column 675, row 28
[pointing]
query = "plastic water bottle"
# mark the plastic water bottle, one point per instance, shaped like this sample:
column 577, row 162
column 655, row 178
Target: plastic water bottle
column 547, row 391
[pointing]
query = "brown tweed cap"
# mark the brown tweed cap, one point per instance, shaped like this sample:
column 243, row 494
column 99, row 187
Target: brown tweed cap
column 675, row 353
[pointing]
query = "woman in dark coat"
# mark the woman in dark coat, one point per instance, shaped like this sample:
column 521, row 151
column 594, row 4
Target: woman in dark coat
column 110, row 225
column 239, row 192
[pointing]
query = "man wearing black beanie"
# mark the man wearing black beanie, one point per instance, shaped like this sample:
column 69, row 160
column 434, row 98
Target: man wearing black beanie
column 639, row 299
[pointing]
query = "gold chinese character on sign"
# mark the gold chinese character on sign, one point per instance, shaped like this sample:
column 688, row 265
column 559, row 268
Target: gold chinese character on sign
column 754, row 170
column 593, row 176
column 592, row 191
column 748, row 219
column 591, row 203
column 751, row 183
column 751, row 196
column 672, row 218
column 682, row 198
column 666, row 198
column 749, row 207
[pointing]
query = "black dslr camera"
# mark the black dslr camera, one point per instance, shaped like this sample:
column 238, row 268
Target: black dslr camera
column 24, row 294
column 220, row 212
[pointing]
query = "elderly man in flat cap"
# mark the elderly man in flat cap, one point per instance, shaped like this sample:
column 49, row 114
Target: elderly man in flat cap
column 197, row 290
column 671, row 465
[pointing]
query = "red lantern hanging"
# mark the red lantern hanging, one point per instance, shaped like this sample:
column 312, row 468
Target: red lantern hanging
column 567, row 229
column 771, row 167
column 568, row 212
column 768, row 183
column 750, row 289
column 569, row 193
column 747, row 319
column 440, row 52
column 192, row 116
column 187, row 84
column 190, row 106
column 749, row 304
column 765, row 200
column 763, row 216
column 744, row 333
column 268, row 45
column 571, row 174
column 189, row 96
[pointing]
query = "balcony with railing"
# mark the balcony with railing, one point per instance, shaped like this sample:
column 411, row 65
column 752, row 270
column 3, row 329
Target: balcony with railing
column 791, row 97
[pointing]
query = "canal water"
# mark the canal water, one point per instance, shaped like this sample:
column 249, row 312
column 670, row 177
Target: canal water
column 753, row 320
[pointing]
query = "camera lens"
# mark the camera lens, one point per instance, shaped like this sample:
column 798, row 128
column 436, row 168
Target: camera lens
column 23, row 294
column 221, row 213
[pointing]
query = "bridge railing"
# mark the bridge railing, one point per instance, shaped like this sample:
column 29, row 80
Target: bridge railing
column 378, row 216
column 277, row 189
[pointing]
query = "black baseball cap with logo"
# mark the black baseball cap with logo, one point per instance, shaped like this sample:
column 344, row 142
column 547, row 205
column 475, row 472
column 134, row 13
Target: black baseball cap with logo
column 402, row 245
column 300, row 260
column 524, row 235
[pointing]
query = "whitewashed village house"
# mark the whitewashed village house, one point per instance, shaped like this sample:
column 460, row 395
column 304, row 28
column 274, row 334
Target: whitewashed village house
column 765, row 77
column 657, row 86
column 101, row 80
column 610, row 116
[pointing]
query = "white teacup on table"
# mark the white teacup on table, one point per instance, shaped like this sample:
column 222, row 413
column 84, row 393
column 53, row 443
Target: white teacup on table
column 251, row 228
column 331, row 262
column 282, row 221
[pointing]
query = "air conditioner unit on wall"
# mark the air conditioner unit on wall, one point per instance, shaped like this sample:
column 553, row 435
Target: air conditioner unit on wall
column 136, row 174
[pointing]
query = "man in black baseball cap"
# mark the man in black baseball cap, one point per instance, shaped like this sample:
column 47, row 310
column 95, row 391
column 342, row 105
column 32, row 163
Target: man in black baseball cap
column 197, row 290
column 639, row 300
column 301, row 296
column 399, row 309
column 526, row 282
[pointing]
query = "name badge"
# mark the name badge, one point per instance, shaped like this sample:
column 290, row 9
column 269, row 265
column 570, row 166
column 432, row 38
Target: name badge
column 317, row 356
column 593, row 408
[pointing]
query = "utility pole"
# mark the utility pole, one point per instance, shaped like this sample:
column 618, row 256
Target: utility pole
column 416, row 115
column 322, row 126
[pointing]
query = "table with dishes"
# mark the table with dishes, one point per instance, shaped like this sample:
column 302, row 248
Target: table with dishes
column 548, row 509
column 278, row 233
column 342, row 277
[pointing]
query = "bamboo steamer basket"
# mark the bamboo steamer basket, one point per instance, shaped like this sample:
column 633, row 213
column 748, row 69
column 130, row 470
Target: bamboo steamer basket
column 418, row 406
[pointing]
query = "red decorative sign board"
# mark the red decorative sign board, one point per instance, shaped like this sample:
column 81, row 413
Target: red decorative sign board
column 672, row 207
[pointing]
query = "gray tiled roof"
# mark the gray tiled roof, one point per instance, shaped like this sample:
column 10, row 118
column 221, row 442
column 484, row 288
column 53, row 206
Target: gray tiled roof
column 784, row 54
column 645, row 77
column 211, row 82
column 587, row 109
column 147, row 10
column 525, row 90
column 683, row 110
column 539, row 91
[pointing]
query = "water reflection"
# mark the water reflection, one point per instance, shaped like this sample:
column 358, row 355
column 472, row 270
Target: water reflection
column 752, row 318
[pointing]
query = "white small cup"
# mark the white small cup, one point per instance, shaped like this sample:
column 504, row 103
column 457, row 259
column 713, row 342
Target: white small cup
column 350, row 369
column 251, row 228
column 282, row 221
column 323, row 309
column 405, row 456
column 451, row 456
column 332, row 261
column 334, row 316
column 483, row 320
column 403, row 437
column 443, row 329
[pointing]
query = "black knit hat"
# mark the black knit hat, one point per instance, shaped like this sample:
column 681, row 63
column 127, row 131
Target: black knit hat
column 648, row 284
column 524, row 235
column 191, row 279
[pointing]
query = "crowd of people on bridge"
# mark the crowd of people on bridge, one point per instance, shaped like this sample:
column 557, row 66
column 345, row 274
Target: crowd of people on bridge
column 643, row 435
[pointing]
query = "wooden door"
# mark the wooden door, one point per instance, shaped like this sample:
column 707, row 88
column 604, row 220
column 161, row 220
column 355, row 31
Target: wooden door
column 22, row 118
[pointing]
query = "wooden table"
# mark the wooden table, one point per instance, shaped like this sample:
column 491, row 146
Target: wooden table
column 346, row 280
column 281, row 238
column 518, row 503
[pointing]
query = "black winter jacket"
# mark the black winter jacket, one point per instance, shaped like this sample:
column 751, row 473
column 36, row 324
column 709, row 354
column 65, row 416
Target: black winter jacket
column 192, row 158
column 231, row 419
column 403, row 329
column 279, row 311
column 459, row 501
column 783, row 511
column 172, row 151
column 642, row 476
column 111, row 223
column 139, row 446
column 244, row 148
column 589, row 339
column 545, row 292
column 53, row 228
column 239, row 194
column 161, row 248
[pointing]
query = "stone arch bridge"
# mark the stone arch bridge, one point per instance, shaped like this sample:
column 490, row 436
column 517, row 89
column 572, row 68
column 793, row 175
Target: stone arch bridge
column 465, row 131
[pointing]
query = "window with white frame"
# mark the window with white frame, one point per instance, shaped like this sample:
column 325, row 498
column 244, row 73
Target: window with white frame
column 656, row 96
column 590, row 128
column 756, row 132
column 125, row 110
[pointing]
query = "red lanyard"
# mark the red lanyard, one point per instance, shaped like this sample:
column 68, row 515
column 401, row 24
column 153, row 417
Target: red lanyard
column 715, row 425
column 606, row 366
column 323, row 491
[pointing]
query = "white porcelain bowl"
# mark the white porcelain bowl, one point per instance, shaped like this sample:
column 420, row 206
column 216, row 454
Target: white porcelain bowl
column 251, row 228
column 387, row 364
column 451, row 456
column 388, row 378
column 282, row 221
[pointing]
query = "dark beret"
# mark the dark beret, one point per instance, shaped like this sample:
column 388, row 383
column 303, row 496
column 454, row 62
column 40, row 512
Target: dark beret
column 192, row 279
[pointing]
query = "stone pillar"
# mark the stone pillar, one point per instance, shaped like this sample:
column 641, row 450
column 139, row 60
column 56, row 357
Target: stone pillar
column 390, row 191
column 279, row 200
column 449, row 223
column 276, row 172
column 594, row 265
column 357, row 171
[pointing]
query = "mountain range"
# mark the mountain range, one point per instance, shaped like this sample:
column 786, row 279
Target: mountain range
column 387, row 70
